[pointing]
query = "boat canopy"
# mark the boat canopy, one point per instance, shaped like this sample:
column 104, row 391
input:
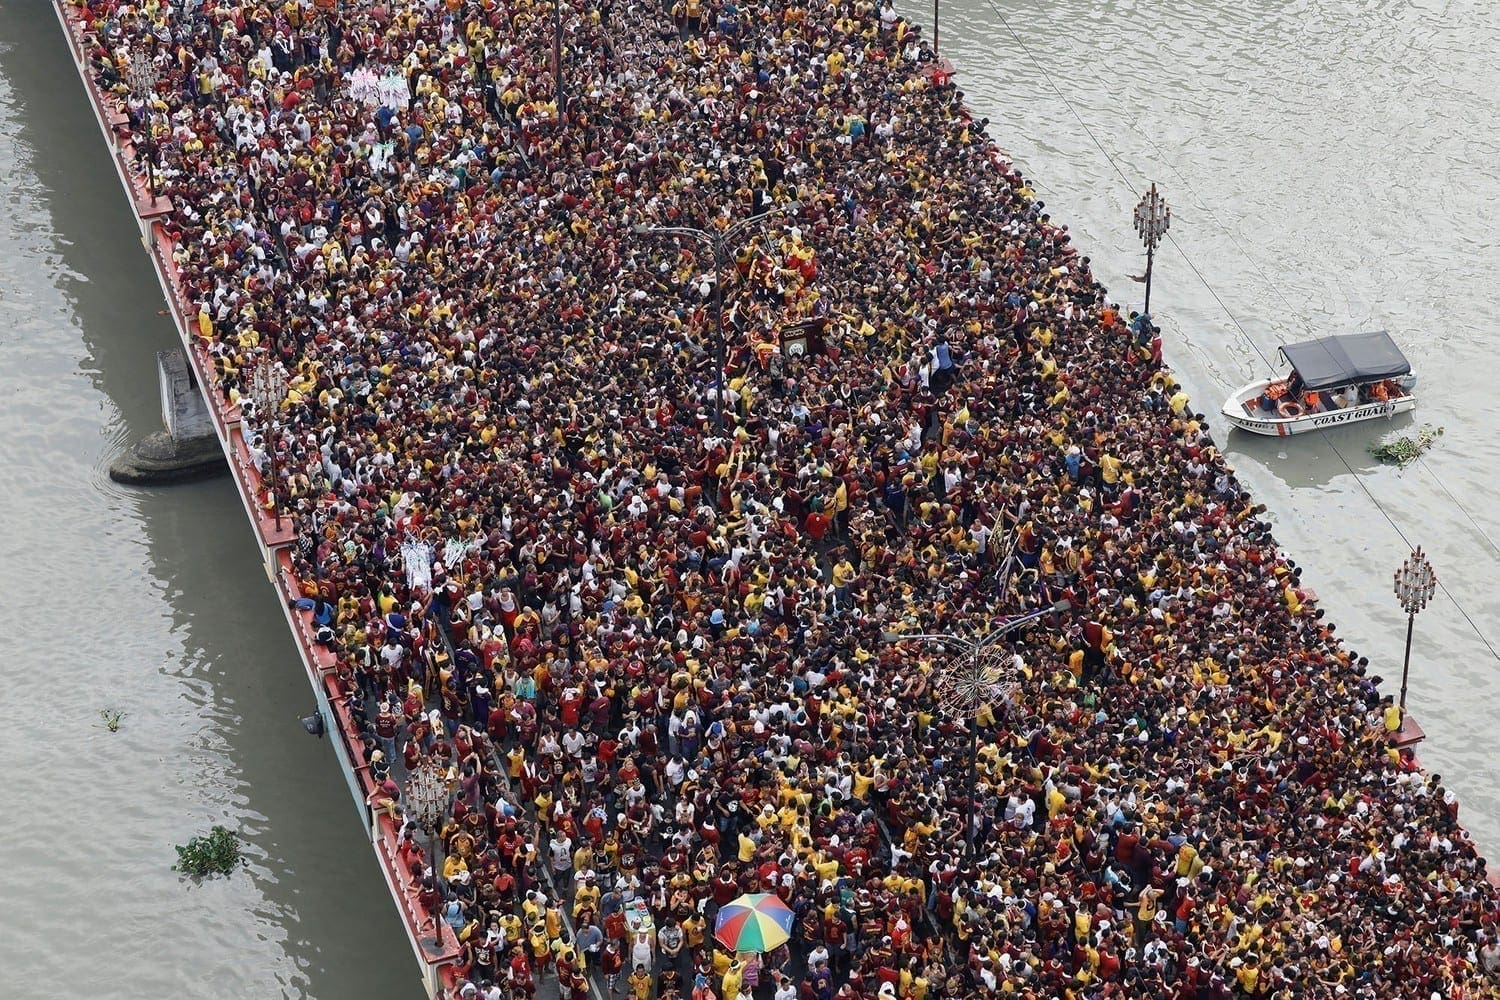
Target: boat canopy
column 1346, row 358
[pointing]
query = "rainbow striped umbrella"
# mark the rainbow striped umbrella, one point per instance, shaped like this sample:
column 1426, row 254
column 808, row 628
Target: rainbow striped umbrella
column 756, row 921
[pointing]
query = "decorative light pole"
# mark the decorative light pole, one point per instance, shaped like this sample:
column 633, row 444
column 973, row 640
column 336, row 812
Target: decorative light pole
column 1152, row 220
column 1415, row 584
column 977, row 678
column 319, row 525
column 142, row 76
column 427, row 800
column 719, row 244
column 267, row 385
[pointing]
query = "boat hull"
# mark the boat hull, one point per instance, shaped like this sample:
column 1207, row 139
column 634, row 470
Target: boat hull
column 1274, row 425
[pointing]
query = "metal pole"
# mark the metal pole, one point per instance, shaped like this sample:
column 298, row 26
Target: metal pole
column 935, row 28
column 436, row 843
column 317, row 557
column 1150, row 259
column 719, row 346
column 718, row 244
column 148, row 151
column 266, row 388
column 1411, row 620
column 973, row 796
column 142, row 77
column 275, row 473
column 1153, row 217
column 1415, row 585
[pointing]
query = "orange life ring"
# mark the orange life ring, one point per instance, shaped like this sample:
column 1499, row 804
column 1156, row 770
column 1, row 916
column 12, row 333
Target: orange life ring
column 1290, row 408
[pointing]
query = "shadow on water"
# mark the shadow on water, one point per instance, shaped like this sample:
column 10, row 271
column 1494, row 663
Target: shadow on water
column 1312, row 461
column 322, row 895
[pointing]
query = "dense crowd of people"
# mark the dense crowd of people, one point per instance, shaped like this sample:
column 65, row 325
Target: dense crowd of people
column 647, row 615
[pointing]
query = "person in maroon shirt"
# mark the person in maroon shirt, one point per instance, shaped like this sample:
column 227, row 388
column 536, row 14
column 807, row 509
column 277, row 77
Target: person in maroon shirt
column 646, row 743
column 611, row 961
column 725, row 887
column 628, row 772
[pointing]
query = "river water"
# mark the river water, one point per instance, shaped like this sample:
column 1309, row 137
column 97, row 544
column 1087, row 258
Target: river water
column 1330, row 167
column 152, row 602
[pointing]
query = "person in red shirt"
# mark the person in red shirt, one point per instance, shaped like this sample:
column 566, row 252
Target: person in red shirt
column 608, row 748
column 816, row 524
column 521, row 982
column 614, row 928
column 505, row 886
column 1184, row 912
column 571, row 705
column 1109, row 964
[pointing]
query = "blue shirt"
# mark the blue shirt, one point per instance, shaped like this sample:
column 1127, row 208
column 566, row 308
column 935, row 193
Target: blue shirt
column 589, row 938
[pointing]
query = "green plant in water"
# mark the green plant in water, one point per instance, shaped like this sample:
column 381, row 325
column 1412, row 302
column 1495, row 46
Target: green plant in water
column 111, row 717
column 1405, row 450
column 216, row 854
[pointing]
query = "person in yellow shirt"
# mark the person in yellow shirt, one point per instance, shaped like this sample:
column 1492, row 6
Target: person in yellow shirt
column 1110, row 468
column 541, row 947
column 1247, row 974
column 843, row 576
column 694, row 929
column 1188, row 862
column 640, row 983
column 729, row 986
column 586, row 897
column 864, row 780
column 766, row 818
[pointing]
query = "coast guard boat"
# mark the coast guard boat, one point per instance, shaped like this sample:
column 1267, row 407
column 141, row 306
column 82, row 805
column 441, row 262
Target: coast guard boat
column 1334, row 380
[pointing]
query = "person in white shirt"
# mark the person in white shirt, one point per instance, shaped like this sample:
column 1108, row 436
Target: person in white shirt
column 561, row 848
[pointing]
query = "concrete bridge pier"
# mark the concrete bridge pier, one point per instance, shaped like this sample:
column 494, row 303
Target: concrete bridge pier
column 188, row 448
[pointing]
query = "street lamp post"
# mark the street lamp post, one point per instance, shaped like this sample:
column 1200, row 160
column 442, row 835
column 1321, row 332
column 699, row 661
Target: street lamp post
column 142, row 76
column 1152, row 220
column 319, row 525
column 268, row 385
column 972, row 683
column 427, row 799
column 1415, row 584
column 719, row 244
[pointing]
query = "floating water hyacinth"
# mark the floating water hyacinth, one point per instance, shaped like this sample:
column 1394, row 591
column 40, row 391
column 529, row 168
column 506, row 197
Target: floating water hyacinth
column 216, row 854
column 1406, row 449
